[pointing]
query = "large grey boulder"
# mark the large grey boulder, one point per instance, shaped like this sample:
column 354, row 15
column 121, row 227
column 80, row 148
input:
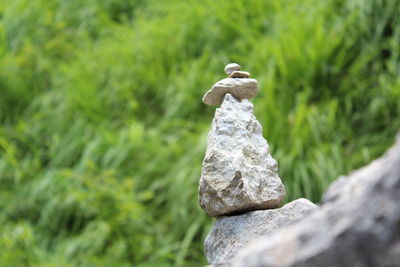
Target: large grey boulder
column 360, row 178
column 232, row 233
column 238, row 173
column 357, row 225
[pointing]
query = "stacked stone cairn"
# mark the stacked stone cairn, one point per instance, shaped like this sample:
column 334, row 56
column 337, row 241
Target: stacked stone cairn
column 239, row 182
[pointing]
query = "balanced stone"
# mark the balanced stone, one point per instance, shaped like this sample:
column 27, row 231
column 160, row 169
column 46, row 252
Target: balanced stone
column 231, row 67
column 238, row 173
column 240, row 88
column 231, row 233
column 239, row 74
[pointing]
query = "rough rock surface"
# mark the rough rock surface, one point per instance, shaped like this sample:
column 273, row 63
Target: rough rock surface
column 239, row 173
column 243, row 88
column 358, row 225
column 231, row 233
column 344, row 186
column 231, row 67
column 239, row 74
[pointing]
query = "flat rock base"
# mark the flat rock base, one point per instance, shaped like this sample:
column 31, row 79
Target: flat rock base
column 231, row 233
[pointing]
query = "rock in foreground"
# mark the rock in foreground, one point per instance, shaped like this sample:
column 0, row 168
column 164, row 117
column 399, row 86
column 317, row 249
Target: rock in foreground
column 358, row 225
column 232, row 233
column 238, row 173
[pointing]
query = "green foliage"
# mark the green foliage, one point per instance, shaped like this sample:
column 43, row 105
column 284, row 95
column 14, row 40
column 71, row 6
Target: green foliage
column 103, row 131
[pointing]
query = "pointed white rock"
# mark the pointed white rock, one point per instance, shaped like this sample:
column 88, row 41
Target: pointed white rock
column 238, row 173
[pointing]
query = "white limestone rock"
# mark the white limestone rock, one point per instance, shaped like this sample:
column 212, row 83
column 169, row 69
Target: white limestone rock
column 232, row 233
column 243, row 88
column 238, row 173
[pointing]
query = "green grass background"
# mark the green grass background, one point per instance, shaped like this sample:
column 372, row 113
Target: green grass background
column 103, row 130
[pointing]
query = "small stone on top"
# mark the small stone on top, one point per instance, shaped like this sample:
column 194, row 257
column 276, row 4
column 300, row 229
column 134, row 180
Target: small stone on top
column 238, row 84
column 231, row 67
column 239, row 74
column 243, row 88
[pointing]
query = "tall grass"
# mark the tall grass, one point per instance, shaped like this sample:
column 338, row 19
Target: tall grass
column 103, row 130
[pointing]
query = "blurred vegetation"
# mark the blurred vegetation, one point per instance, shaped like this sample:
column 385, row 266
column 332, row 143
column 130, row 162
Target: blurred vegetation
column 103, row 130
